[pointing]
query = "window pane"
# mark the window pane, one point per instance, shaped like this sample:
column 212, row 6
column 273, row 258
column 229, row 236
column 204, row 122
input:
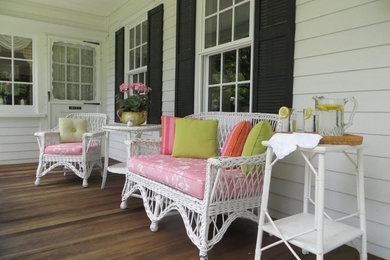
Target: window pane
column 5, row 46
column 58, row 53
column 59, row 91
column 229, row 66
column 23, row 94
column 87, row 75
column 144, row 55
column 211, row 7
column 22, row 48
column 238, row 1
column 141, row 78
column 22, row 71
column 241, row 21
column 213, row 99
column 87, row 92
column 58, row 72
column 243, row 98
column 135, row 78
column 131, row 59
column 138, row 35
column 215, row 69
column 72, row 73
column 225, row 27
column 5, row 94
column 225, row 3
column 72, row 55
column 131, row 38
column 244, row 65
column 87, row 57
column 144, row 32
column 228, row 98
column 211, row 32
column 5, row 70
column 72, row 92
column 137, row 57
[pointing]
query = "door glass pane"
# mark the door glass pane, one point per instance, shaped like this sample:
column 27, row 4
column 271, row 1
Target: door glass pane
column 138, row 35
column 72, row 55
column 144, row 32
column 228, row 98
column 58, row 53
column 87, row 57
column 211, row 7
column 144, row 55
column 87, row 92
column 224, row 4
column 72, row 73
column 72, row 92
column 229, row 66
column 59, row 91
column 213, row 99
column 22, row 71
column 241, row 21
column 23, row 94
column 87, row 75
column 22, row 48
column 244, row 64
column 243, row 98
column 137, row 57
column 5, row 94
column 5, row 46
column 211, row 32
column 58, row 72
column 215, row 69
column 225, row 27
column 5, row 70
column 131, row 38
column 131, row 59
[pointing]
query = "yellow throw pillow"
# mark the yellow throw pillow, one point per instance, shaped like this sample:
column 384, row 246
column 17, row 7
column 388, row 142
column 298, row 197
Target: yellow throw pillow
column 195, row 138
column 71, row 130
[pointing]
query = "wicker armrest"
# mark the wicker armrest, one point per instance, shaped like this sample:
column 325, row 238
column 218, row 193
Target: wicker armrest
column 227, row 162
column 46, row 138
column 143, row 146
column 93, row 135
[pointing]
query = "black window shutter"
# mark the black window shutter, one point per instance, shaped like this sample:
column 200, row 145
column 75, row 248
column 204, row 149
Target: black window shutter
column 155, row 62
column 119, row 64
column 273, row 55
column 185, row 57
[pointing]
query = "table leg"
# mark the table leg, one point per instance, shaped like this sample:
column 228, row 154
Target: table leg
column 106, row 155
column 320, row 180
column 361, row 202
column 306, row 189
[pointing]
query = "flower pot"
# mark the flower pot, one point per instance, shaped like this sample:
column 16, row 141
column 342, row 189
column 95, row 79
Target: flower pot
column 135, row 118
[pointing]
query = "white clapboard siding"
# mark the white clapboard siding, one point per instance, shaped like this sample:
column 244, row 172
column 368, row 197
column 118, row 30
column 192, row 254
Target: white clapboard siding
column 342, row 50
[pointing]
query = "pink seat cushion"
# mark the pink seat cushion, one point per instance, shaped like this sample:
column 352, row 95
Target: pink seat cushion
column 184, row 174
column 68, row 149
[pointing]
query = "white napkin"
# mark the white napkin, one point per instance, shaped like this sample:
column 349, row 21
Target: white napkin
column 284, row 144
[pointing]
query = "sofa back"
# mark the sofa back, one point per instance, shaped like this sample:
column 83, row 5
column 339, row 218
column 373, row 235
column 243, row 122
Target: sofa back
column 227, row 121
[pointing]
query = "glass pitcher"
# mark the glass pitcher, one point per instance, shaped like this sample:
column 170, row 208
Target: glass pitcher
column 330, row 115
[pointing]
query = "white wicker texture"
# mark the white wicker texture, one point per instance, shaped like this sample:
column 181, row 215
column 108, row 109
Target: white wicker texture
column 225, row 199
column 81, row 165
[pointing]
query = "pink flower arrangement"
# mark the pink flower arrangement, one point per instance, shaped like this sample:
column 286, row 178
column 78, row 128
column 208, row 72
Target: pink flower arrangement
column 137, row 99
column 134, row 86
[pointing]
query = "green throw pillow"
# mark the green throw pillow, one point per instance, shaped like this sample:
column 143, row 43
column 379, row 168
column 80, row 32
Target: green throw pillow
column 71, row 129
column 195, row 138
column 260, row 132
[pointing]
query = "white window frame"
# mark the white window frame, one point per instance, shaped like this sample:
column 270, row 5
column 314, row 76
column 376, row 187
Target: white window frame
column 202, row 54
column 23, row 110
column 97, row 69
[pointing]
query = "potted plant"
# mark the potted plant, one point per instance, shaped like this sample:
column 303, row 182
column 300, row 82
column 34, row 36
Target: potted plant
column 133, row 109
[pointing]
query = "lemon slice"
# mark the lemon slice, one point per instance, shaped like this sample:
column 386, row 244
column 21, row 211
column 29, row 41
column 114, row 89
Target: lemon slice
column 328, row 107
column 308, row 113
column 284, row 112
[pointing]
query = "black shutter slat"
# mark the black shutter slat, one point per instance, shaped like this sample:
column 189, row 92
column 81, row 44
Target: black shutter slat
column 273, row 55
column 185, row 57
column 119, row 64
column 155, row 62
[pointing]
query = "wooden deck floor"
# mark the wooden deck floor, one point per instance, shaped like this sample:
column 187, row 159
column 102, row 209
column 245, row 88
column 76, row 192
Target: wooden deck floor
column 62, row 220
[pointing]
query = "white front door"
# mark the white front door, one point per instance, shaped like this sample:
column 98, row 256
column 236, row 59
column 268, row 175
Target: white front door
column 74, row 85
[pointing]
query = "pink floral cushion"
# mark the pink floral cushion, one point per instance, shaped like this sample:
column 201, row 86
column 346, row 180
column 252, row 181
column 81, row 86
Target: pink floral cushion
column 185, row 174
column 68, row 149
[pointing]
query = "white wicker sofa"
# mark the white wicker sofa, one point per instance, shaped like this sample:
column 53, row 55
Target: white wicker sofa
column 228, row 192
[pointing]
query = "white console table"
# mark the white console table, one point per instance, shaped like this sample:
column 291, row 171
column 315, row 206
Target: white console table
column 120, row 168
column 314, row 232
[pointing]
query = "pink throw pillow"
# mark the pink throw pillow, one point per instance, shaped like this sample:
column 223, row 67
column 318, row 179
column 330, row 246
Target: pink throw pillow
column 167, row 134
column 235, row 142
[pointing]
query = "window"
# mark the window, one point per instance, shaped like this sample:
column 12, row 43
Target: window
column 227, row 56
column 16, row 71
column 73, row 72
column 137, row 50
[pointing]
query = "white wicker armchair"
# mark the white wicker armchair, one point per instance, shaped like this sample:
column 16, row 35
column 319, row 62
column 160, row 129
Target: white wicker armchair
column 225, row 199
column 80, row 163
